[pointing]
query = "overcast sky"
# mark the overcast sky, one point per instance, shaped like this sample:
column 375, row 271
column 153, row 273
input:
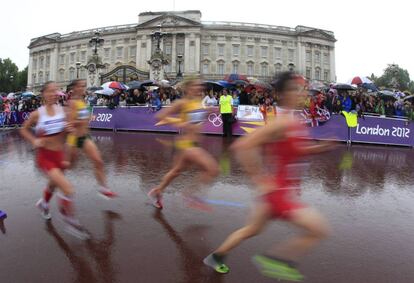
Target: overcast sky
column 370, row 34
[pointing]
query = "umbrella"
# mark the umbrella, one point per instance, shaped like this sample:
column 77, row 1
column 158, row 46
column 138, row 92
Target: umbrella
column 240, row 82
column 164, row 83
column 213, row 85
column 140, row 85
column 316, row 85
column 235, row 77
column 359, row 80
column 258, row 85
column 115, row 85
column 27, row 94
column 226, row 84
column 386, row 95
column 3, row 94
column 94, row 88
column 408, row 98
column 343, row 87
column 369, row 86
column 10, row 95
column 105, row 91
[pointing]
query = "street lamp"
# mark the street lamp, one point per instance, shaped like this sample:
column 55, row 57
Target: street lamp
column 179, row 74
column 78, row 66
column 96, row 41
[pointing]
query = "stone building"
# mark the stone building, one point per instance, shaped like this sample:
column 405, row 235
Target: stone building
column 212, row 49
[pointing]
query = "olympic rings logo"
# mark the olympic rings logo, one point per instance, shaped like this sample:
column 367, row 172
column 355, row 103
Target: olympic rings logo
column 215, row 119
column 25, row 115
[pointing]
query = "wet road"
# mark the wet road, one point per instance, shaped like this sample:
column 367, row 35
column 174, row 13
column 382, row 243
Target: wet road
column 365, row 192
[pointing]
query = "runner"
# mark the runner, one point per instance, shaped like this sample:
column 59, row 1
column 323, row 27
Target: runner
column 80, row 138
column 186, row 145
column 278, row 192
column 50, row 122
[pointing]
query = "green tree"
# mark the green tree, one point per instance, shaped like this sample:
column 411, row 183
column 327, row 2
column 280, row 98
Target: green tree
column 21, row 81
column 8, row 75
column 394, row 77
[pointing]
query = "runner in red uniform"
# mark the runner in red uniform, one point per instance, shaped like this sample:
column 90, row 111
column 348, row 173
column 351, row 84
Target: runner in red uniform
column 279, row 192
column 49, row 140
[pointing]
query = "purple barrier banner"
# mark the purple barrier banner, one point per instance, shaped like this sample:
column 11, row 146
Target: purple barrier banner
column 334, row 129
column 370, row 130
column 13, row 118
column 103, row 118
column 140, row 119
column 381, row 130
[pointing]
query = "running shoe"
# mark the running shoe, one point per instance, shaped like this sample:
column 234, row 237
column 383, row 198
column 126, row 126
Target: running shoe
column 277, row 269
column 197, row 203
column 217, row 264
column 44, row 209
column 156, row 198
column 107, row 194
column 74, row 228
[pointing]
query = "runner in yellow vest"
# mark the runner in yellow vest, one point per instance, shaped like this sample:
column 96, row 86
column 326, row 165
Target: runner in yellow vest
column 226, row 111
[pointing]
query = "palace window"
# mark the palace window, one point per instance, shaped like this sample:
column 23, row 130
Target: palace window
column 133, row 51
column 278, row 68
column 317, row 74
column 326, row 58
column 180, row 49
column 83, row 56
column 119, row 52
column 206, row 49
column 250, row 69
column 308, row 56
column 291, row 55
column 317, row 57
column 41, row 63
column 250, row 51
column 61, row 75
column 308, row 73
column 205, row 68
column 221, row 68
column 235, row 68
column 47, row 61
column 278, row 53
column 107, row 53
column 62, row 59
column 41, row 78
column 326, row 75
column 34, row 63
column 264, row 51
column 167, row 49
column 72, row 58
column 71, row 74
column 236, row 49
column 221, row 49
column 47, row 76
column 264, row 71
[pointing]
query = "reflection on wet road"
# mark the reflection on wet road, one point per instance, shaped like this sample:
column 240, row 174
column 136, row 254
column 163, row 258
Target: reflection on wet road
column 366, row 193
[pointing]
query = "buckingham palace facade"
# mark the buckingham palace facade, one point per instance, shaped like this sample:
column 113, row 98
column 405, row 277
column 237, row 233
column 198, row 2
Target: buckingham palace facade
column 188, row 45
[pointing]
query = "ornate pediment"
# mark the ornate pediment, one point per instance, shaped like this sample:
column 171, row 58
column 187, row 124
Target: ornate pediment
column 317, row 33
column 42, row 41
column 168, row 20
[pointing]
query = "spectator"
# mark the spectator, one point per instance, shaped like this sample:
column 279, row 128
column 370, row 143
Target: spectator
column 244, row 98
column 226, row 112
column 209, row 100
column 236, row 100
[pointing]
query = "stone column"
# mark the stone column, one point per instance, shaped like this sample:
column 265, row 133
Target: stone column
column 301, row 61
column 29, row 71
column 197, row 54
column 149, row 51
column 174, row 54
column 53, row 68
column 186, row 53
column 332, row 64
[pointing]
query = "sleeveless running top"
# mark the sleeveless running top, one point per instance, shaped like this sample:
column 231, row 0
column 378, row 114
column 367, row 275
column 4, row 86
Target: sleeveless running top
column 50, row 125
column 288, row 153
column 82, row 110
column 193, row 112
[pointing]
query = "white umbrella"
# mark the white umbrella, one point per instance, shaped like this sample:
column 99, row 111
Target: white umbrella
column 10, row 95
column 105, row 91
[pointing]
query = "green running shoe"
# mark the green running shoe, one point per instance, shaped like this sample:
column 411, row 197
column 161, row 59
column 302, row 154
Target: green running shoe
column 212, row 261
column 277, row 269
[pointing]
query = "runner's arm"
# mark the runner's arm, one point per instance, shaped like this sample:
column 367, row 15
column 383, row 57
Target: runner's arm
column 166, row 112
column 26, row 132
